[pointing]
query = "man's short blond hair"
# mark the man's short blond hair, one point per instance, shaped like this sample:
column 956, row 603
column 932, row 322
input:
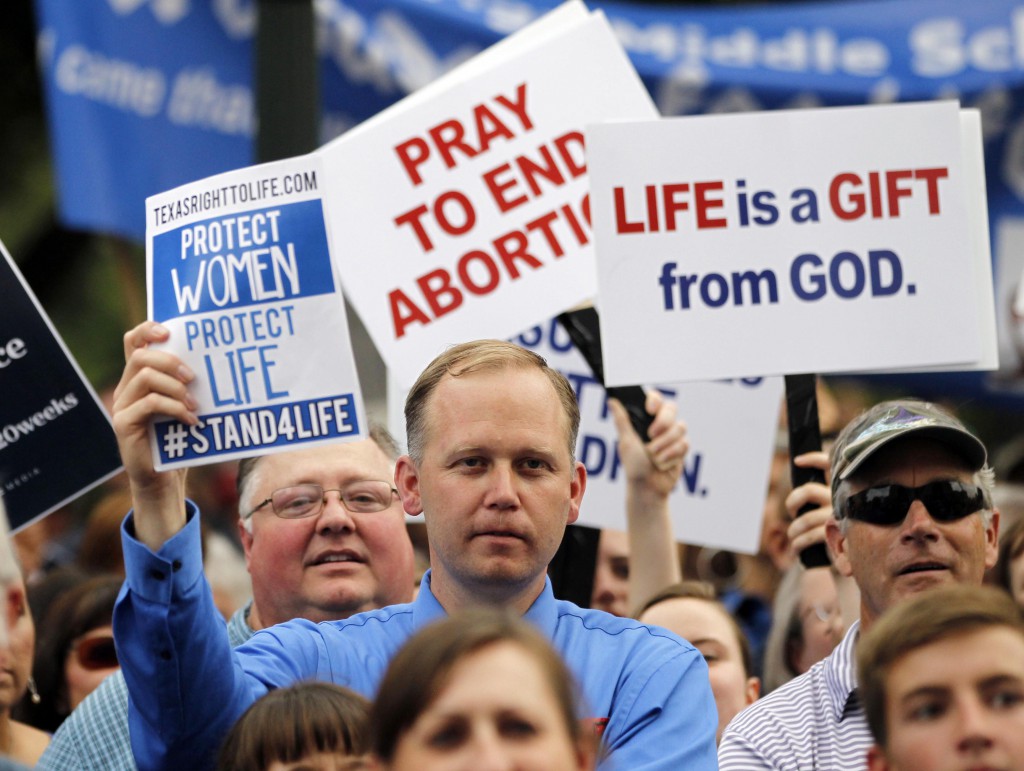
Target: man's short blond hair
column 482, row 356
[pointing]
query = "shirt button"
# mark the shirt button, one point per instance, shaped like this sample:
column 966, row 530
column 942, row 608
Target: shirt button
column 159, row 575
column 165, row 655
column 176, row 565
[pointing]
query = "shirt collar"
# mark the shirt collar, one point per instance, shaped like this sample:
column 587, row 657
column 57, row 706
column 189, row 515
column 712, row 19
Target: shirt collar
column 425, row 608
column 841, row 673
column 239, row 629
column 543, row 613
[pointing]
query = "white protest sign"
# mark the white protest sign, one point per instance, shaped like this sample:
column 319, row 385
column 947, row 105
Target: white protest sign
column 466, row 214
column 984, row 300
column 823, row 240
column 240, row 272
column 732, row 427
column 556, row 21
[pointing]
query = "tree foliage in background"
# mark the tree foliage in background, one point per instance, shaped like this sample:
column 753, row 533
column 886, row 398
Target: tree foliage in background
column 89, row 285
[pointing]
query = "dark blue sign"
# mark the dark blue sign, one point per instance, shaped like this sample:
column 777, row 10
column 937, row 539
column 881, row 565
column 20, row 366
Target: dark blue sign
column 56, row 441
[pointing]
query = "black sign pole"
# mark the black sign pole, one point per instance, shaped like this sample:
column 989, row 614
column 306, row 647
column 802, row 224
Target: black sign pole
column 804, row 436
column 287, row 86
column 572, row 569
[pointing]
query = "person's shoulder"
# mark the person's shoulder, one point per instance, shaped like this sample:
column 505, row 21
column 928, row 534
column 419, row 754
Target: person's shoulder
column 389, row 620
column 592, row 624
column 98, row 725
column 376, row 619
column 6, row 764
column 108, row 699
column 796, row 705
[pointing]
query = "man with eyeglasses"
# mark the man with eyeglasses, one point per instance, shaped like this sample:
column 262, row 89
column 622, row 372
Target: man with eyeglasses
column 323, row 533
column 491, row 437
column 912, row 510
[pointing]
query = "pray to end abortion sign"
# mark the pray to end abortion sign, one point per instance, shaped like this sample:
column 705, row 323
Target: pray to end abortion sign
column 240, row 272
column 831, row 240
column 463, row 212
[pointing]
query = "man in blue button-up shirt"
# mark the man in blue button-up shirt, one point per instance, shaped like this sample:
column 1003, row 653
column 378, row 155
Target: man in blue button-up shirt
column 286, row 560
column 491, row 438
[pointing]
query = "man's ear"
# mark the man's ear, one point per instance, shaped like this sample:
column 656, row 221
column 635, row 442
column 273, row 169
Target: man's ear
column 407, row 481
column 752, row 690
column 876, row 759
column 992, row 540
column 577, row 486
column 837, row 543
column 246, row 539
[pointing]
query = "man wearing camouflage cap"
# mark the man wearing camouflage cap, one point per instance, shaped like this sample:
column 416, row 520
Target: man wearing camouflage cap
column 912, row 509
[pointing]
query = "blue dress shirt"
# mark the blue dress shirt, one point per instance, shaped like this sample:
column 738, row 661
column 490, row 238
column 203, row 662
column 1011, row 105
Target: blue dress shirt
column 94, row 737
column 188, row 686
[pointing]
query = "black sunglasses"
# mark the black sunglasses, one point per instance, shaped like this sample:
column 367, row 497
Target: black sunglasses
column 946, row 501
column 96, row 652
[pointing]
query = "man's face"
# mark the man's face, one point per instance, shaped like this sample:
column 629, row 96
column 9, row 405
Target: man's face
column 957, row 703
column 891, row 563
column 611, row 574
column 333, row 564
column 497, row 485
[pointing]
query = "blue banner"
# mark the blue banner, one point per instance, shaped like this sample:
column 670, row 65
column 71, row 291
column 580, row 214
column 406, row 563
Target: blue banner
column 144, row 96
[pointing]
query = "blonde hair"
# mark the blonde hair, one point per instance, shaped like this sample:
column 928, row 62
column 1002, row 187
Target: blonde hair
column 934, row 616
column 482, row 356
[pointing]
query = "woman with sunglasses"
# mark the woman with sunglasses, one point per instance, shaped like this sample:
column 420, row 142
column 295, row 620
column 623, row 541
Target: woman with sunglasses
column 75, row 651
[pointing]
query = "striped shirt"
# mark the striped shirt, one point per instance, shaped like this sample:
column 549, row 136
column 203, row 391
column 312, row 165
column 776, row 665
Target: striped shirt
column 815, row 721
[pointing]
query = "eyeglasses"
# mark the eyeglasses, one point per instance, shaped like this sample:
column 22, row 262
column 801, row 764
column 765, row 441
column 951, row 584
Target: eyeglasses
column 821, row 611
column 96, row 652
column 946, row 501
column 363, row 497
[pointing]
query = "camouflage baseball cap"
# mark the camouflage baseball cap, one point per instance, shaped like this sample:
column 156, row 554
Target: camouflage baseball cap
column 899, row 419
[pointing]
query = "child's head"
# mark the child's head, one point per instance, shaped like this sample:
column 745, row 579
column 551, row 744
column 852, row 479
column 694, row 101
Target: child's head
column 309, row 721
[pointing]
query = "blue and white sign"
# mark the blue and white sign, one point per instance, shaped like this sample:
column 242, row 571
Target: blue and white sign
column 240, row 271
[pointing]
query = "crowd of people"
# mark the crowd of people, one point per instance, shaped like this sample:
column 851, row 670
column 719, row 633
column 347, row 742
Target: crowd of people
column 347, row 655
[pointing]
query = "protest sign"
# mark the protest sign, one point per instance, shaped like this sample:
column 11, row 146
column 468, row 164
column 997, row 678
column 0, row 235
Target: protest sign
column 983, row 301
column 239, row 271
column 825, row 240
column 56, row 441
column 464, row 213
column 732, row 428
